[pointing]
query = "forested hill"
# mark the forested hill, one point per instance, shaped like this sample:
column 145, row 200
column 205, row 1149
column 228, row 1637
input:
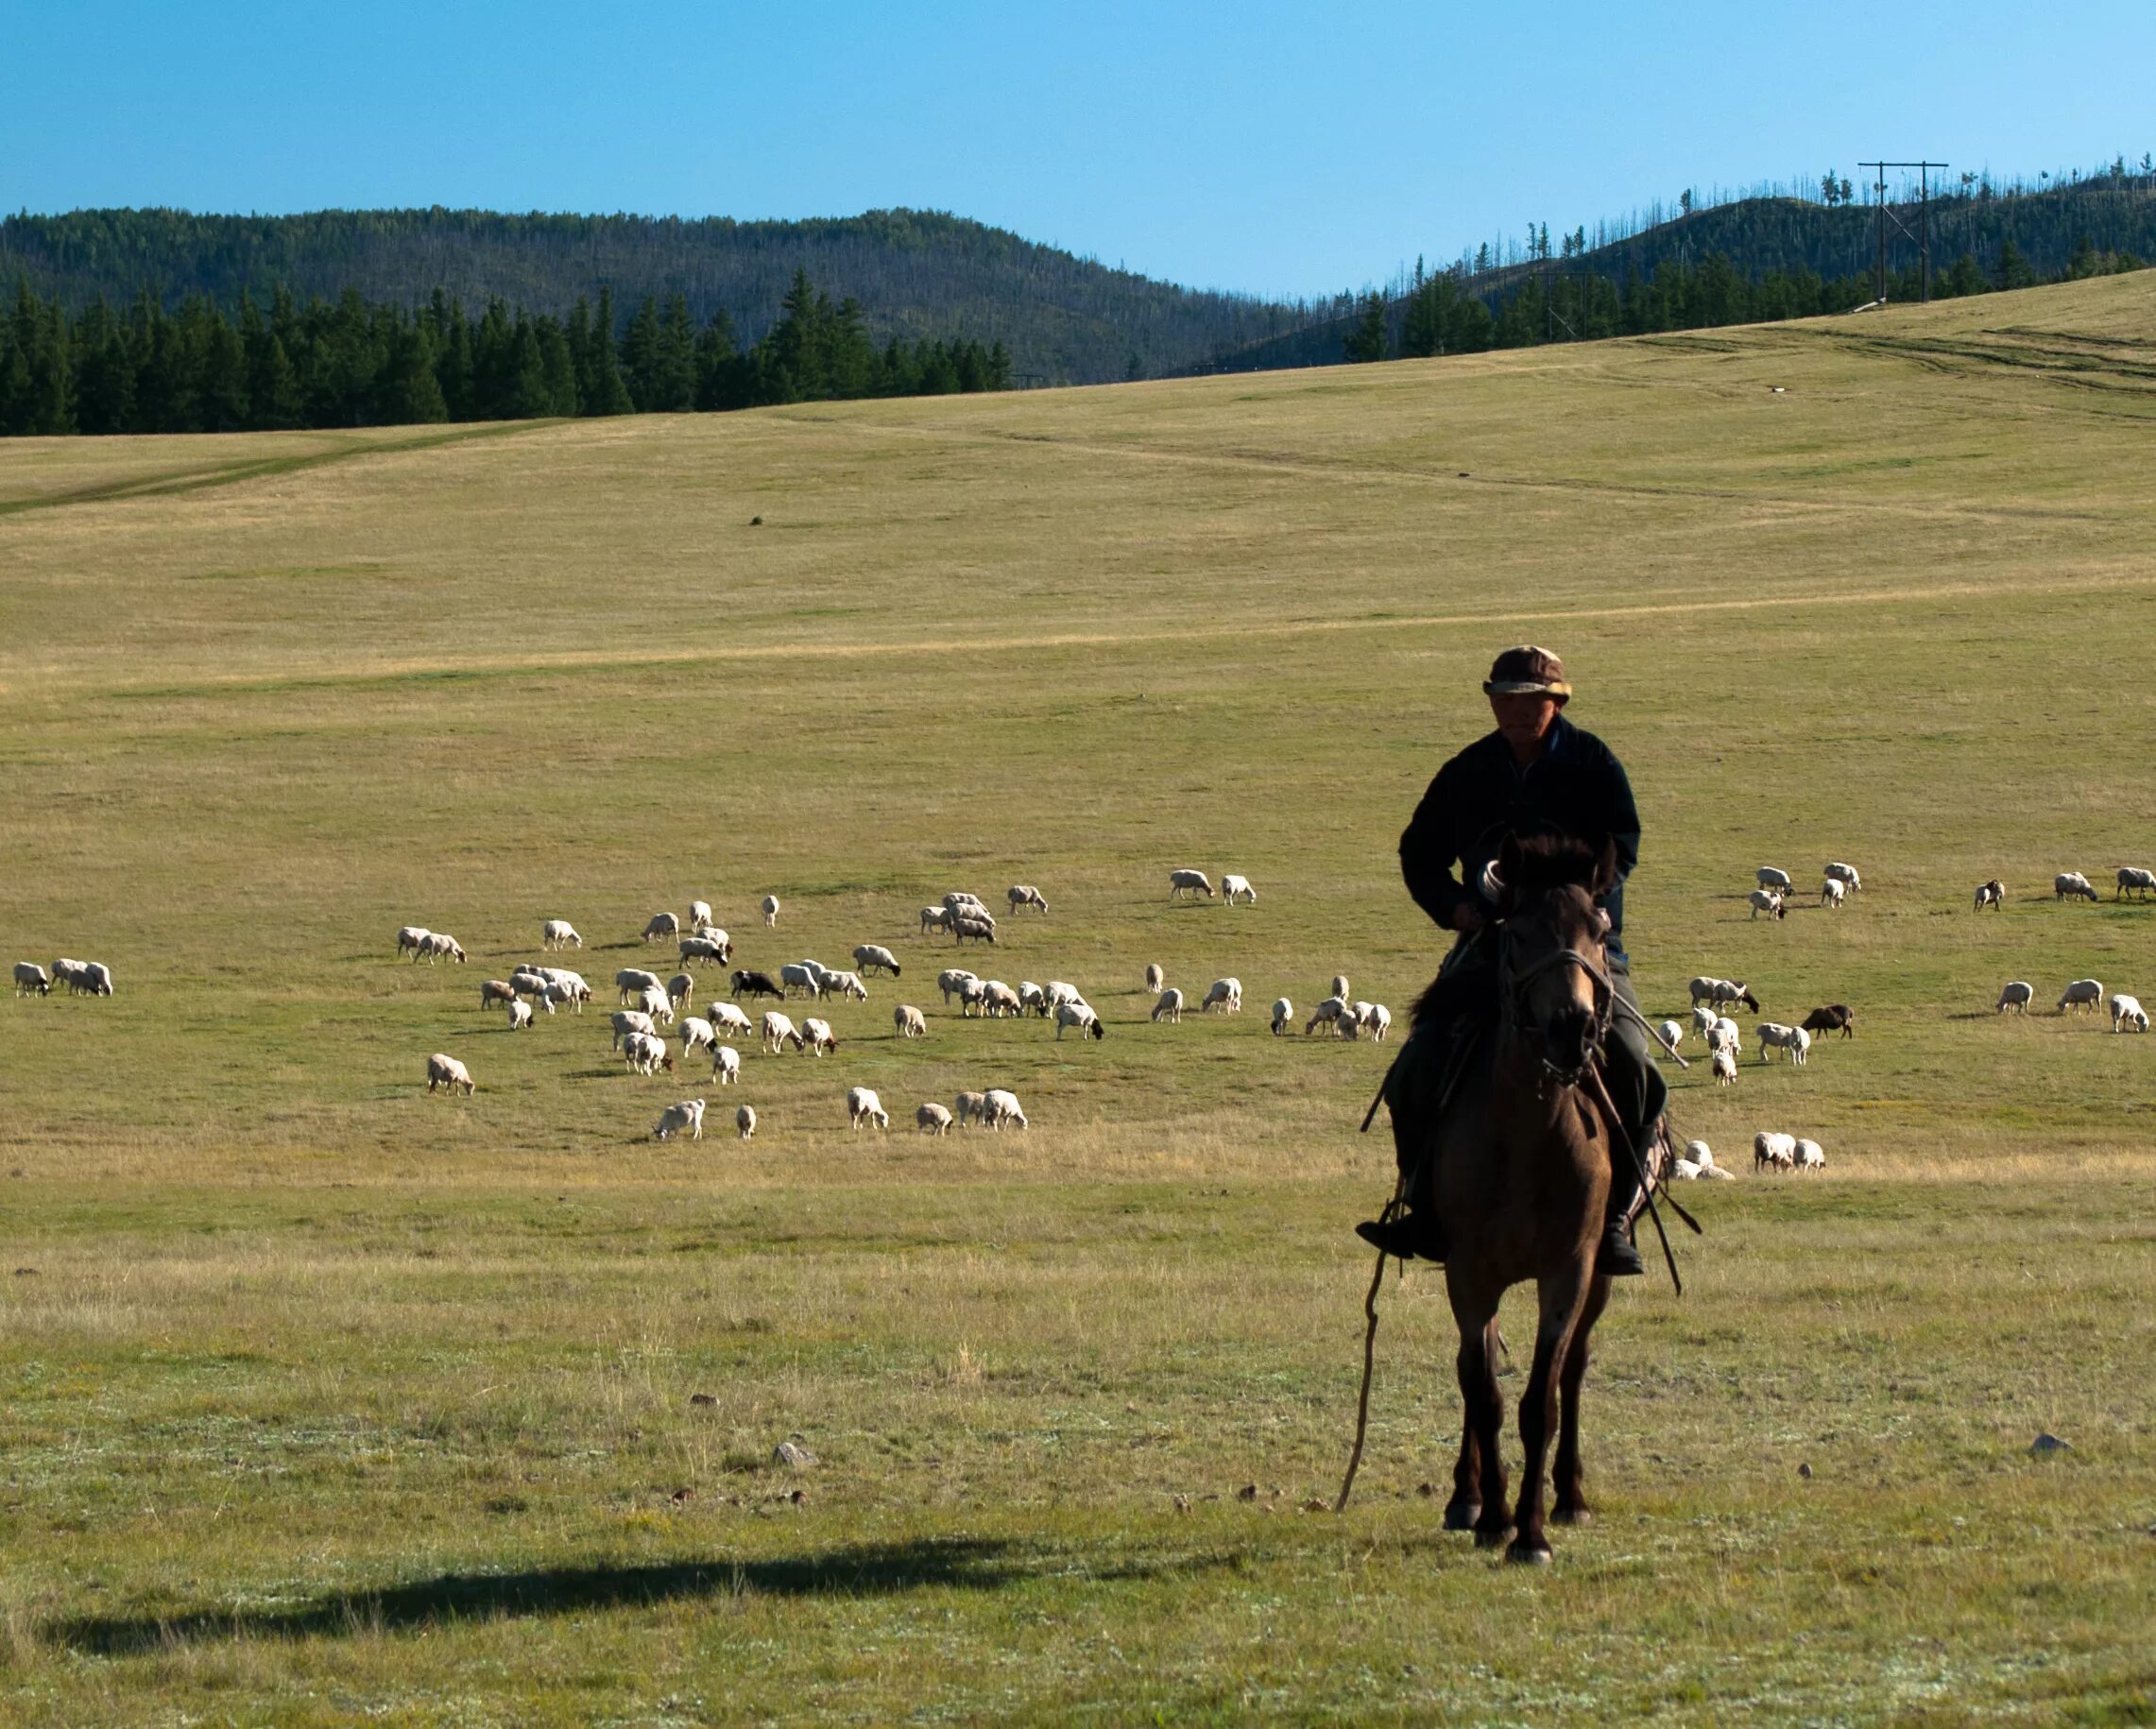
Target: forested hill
column 1757, row 258
column 918, row 275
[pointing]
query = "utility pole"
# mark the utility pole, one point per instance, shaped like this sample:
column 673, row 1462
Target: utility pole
column 1922, row 235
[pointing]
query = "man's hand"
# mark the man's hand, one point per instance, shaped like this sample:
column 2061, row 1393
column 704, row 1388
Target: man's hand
column 1468, row 918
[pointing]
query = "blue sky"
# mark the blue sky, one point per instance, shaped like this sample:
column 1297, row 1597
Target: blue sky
column 1269, row 146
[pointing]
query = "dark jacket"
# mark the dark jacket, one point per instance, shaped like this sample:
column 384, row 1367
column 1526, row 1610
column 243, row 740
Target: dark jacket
column 1577, row 787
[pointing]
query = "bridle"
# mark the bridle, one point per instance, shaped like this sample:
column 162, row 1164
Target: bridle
column 1513, row 982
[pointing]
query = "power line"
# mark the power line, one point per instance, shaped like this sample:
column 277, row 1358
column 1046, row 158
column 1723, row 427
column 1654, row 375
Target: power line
column 1922, row 235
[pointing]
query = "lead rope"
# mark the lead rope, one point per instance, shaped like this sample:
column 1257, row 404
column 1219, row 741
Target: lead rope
column 1369, row 1347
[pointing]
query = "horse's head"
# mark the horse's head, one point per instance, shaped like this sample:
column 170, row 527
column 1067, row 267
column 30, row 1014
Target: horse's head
column 1554, row 963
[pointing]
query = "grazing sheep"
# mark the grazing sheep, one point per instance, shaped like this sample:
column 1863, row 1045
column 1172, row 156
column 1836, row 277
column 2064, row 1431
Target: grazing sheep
column 525, row 981
column 933, row 1118
column 1024, row 893
column 699, row 914
column 646, row 1053
column 1237, row 888
column 845, row 984
column 681, row 989
column 2126, row 1012
column 1766, row 900
column 413, row 937
column 1703, row 1017
column 1993, row 894
column 728, row 1019
column 1831, row 892
column 2017, row 996
column 2082, row 994
column 1774, row 1036
column 628, row 1022
column 1339, row 987
column 1154, row 978
column 440, row 943
column 1033, row 999
column 519, row 1014
column 30, row 979
column 2071, row 885
column 801, row 976
column 682, row 1114
column 1327, row 1015
column 1377, row 1022
column 1169, row 1006
column 1079, row 1015
column 1224, row 994
column 2135, row 882
column 95, row 980
column 710, row 944
column 1191, row 883
column 726, row 1065
column 1283, row 1012
column 443, row 1071
column 870, row 958
column 973, row 927
column 1810, row 1155
column 1723, row 1064
column 1835, row 1017
column 69, row 973
column 1845, row 875
column 999, row 1001
column 863, row 1105
column 972, row 994
column 1718, row 991
column 934, row 918
column 1671, row 1034
column 698, row 1035
column 967, row 1106
column 662, row 925
column 770, row 916
column 745, row 1120
column 559, row 934
column 500, row 990
column 630, row 981
column 1059, row 992
column 999, row 1108
column 958, row 900
column 569, row 987
column 778, row 1028
column 909, row 1021
column 755, row 985
column 654, row 1001
column 1778, row 1151
column 949, row 982
column 1722, row 1036
column 1770, row 878
column 820, row 1038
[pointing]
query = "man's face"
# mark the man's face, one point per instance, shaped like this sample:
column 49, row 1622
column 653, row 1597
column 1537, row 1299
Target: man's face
column 1524, row 719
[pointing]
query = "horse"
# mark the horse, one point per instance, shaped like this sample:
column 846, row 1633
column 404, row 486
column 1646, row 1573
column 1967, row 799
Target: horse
column 1522, row 1185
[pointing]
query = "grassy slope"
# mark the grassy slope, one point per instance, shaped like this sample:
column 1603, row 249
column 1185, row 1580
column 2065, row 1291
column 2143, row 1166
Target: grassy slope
column 327, row 1394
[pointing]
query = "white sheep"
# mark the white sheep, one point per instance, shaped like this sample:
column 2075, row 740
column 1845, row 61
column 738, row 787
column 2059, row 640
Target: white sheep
column 2071, row 885
column 1773, row 1037
column 1154, row 978
column 1773, row 1149
column 801, row 976
column 69, row 973
column 571, row 986
column 1224, row 994
column 519, row 1014
column 933, row 1118
column 745, row 1120
column 710, row 944
column 413, row 937
column 934, row 918
column 1993, row 894
column 681, row 989
column 821, row 1039
column 662, row 925
column 863, row 1105
column 729, row 1018
column 1831, row 892
column 1169, row 1006
column 1718, row 991
column 440, row 943
column 504, row 990
column 1348, row 1024
column 778, row 1028
column 950, row 981
column 1234, row 889
column 999, row 1001
column 1704, row 1018
column 633, row 980
column 95, row 979
column 1327, row 1015
column 697, row 1034
column 1377, row 1022
column 630, row 1020
column 646, row 1053
column 845, row 984
column 1191, row 883
column 1723, row 1064
column 959, row 900
column 770, row 918
column 682, row 1114
column 1059, row 992
column 1032, row 999
column 972, row 994
column 2126, row 1012
column 559, row 934
column 870, row 958
column 909, row 1021
column 2082, row 994
column 2133, row 881
column 2018, row 994
column 1672, row 1033
column 1770, row 877
column 1845, row 875
column 1766, row 900
column 969, row 1106
column 1723, row 1035
column 699, row 914
column 31, row 980
column 1339, row 987
column 1283, row 1013
column 1079, row 1015
column 654, row 1001
column 1024, row 893
column 999, row 1108
column 443, row 1071
column 726, row 1065
column 1810, row 1155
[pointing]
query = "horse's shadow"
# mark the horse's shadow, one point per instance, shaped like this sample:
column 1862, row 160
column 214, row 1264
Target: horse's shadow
column 875, row 1570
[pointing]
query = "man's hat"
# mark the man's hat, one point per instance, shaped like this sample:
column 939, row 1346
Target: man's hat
column 1527, row 671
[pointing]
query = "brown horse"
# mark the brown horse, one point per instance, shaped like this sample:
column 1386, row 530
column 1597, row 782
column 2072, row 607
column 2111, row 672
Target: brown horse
column 1523, row 1181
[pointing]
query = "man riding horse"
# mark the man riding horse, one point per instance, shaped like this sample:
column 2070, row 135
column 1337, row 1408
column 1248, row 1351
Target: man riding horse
column 1537, row 775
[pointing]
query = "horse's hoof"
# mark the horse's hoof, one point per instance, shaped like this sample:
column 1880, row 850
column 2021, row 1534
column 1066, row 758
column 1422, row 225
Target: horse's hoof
column 1463, row 1515
column 1529, row 1555
column 1571, row 1515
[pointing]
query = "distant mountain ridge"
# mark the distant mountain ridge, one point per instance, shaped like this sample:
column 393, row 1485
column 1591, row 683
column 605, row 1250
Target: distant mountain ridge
column 918, row 275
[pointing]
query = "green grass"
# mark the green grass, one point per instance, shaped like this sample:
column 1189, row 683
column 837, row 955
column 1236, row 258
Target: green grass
column 327, row 1397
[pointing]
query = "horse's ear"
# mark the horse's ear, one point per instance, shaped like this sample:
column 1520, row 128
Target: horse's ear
column 1605, row 868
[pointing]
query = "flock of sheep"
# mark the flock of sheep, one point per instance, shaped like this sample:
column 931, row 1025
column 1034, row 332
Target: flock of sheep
column 651, row 1004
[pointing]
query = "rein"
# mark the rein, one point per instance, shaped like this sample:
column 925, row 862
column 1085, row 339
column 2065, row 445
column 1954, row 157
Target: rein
column 1513, row 989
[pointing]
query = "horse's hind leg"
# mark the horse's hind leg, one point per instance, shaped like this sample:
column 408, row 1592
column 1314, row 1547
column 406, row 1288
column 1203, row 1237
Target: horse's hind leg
column 1571, row 1507
column 1562, row 1298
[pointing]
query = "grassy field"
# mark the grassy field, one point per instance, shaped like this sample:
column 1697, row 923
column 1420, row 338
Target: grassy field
column 328, row 1398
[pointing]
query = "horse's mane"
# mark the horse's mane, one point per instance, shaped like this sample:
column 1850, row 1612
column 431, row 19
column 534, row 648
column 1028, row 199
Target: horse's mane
column 1544, row 862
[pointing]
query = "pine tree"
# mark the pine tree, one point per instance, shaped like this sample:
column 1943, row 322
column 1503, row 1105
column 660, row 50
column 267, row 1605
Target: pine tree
column 719, row 380
column 607, row 393
column 1368, row 340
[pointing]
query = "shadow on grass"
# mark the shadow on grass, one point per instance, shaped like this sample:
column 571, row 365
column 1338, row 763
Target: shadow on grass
column 877, row 1569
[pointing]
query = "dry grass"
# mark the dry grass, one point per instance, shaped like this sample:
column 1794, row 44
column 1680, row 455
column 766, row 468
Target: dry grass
column 327, row 1397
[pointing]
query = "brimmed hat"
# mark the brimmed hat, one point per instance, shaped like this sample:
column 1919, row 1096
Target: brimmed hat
column 1527, row 671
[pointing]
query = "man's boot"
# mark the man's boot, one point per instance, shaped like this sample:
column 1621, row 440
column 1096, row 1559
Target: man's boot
column 1413, row 1236
column 1616, row 1256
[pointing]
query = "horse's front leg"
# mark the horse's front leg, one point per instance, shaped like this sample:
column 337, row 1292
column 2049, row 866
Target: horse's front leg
column 1571, row 1507
column 1479, row 1479
column 1562, row 1298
